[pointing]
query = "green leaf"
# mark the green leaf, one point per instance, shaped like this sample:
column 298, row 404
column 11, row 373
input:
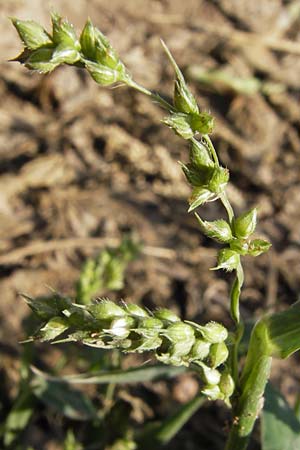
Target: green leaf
column 71, row 443
column 283, row 330
column 64, row 399
column 19, row 416
column 280, row 429
column 135, row 375
column 161, row 434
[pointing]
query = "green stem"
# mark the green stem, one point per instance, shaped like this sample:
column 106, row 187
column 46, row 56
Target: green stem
column 235, row 353
column 249, row 404
column 236, row 289
column 297, row 407
column 277, row 335
column 155, row 97
column 235, row 314
column 249, row 395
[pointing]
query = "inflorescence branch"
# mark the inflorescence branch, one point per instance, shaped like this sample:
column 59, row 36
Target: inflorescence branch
column 173, row 341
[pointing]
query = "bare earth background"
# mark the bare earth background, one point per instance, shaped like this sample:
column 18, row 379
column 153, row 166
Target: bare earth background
column 83, row 164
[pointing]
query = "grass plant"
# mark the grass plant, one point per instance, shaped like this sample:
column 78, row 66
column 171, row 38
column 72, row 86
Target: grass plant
column 209, row 349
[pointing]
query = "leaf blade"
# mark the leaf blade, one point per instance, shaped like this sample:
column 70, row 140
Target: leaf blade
column 280, row 426
column 134, row 375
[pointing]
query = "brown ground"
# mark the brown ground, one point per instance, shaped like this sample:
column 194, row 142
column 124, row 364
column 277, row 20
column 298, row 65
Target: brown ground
column 78, row 161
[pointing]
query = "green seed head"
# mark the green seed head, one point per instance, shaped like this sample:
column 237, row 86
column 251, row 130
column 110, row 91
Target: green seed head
column 240, row 246
column 41, row 60
column 179, row 332
column 226, row 385
column 182, row 348
column 219, row 180
column 218, row 354
column 63, row 32
column 109, row 58
column 63, row 54
column 228, row 260
column 210, row 376
column 199, row 197
column 197, row 176
column 212, row 392
column 218, row 230
column 106, row 310
column 121, row 327
column 151, row 323
column 53, row 328
column 166, row 315
column 245, row 224
column 180, row 123
column 102, row 74
column 88, row 41
column 136, row 311
column 32, row 34
column 202, row 123
column 184, row 101
column 258, row 246
column 145, row 344
column 199, row 155
column 214, row 332
column 149, row 327
column 200, row 349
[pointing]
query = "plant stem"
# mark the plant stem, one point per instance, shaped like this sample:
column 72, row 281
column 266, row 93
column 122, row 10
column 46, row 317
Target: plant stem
column 235, row 297
column 235, row 353
column 249, row 395
column 249, row 405
column 155, row 97
column 250, row 391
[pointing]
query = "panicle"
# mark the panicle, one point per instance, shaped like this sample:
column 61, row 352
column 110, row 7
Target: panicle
column 131, row 328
